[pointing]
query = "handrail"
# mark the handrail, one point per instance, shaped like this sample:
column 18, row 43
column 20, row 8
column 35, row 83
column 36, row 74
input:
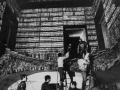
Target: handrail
column 13, row 62
column 107, row 58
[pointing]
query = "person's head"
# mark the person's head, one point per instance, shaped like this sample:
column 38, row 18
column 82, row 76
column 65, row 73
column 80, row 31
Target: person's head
column 73, row 84
column 80, row 40
column 23, row 77
column 59, row 54
column 69, row 45
column 47, row 78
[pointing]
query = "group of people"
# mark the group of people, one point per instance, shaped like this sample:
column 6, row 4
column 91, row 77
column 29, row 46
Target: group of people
column 44, row 86
column 82, row 59
column 64, row 63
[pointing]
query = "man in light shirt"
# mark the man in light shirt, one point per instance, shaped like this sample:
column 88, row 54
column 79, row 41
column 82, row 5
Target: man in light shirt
column 83, row 62
column 60, row 61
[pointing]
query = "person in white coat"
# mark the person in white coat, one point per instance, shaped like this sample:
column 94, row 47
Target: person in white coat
column 83, row 63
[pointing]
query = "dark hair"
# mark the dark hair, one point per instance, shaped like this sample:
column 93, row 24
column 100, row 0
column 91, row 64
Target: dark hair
column 47, row 77
column 74, row 83
column 23, row 76
column 80, row 38
column 59, row 54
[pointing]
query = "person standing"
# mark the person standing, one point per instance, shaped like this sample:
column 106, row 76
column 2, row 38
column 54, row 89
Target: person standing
column 45, row 85
column 68, row 62
column 82, row 48
column 60, row 62
column 83, row 63
column 22, row 85
column 72, row 53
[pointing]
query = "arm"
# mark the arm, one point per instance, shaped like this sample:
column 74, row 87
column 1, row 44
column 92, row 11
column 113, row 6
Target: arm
column 87, row 58
column 66, row 55
column 78, row 49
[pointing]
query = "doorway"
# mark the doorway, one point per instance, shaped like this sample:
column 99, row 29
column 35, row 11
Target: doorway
column 72, row 35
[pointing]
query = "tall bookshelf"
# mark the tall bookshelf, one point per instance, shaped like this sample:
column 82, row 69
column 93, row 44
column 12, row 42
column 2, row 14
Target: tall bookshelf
column 112, row 17
column 40, row 31
column 2, row 9
column 91, row 30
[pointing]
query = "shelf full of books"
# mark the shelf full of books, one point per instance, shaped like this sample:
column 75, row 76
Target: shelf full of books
column 112, row 17
column 2, row 9
column 91, row 30
column 41, row 30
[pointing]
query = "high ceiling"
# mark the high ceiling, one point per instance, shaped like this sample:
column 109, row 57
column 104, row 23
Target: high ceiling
column 29, row 4
column 18, row 5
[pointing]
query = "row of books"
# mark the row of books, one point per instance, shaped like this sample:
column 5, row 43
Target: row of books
column 38, row 24
column 28, row 21
column 93, row 43
column 2, row 8
column 44, row 29
column 88, row 13
column 37, row 39
column 114, row 16
column 105, row 3
column 91, row 32
column 94, row 49
column 52, row 14
column 57, row 14
column 38, row 34
column 92, row 37
column 89, row 22
column 108, row 6
column 110, row 12
column 91, row 27
column 114, row 31
column 70, row 9
column 117, row 32
column 39, row 50
column 44, row 44
column 116, row 23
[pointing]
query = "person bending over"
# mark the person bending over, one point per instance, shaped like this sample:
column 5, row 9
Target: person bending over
column 22, row 85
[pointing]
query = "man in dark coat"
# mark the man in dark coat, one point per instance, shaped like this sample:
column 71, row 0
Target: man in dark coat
column 82, row 48
column 45, row 85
